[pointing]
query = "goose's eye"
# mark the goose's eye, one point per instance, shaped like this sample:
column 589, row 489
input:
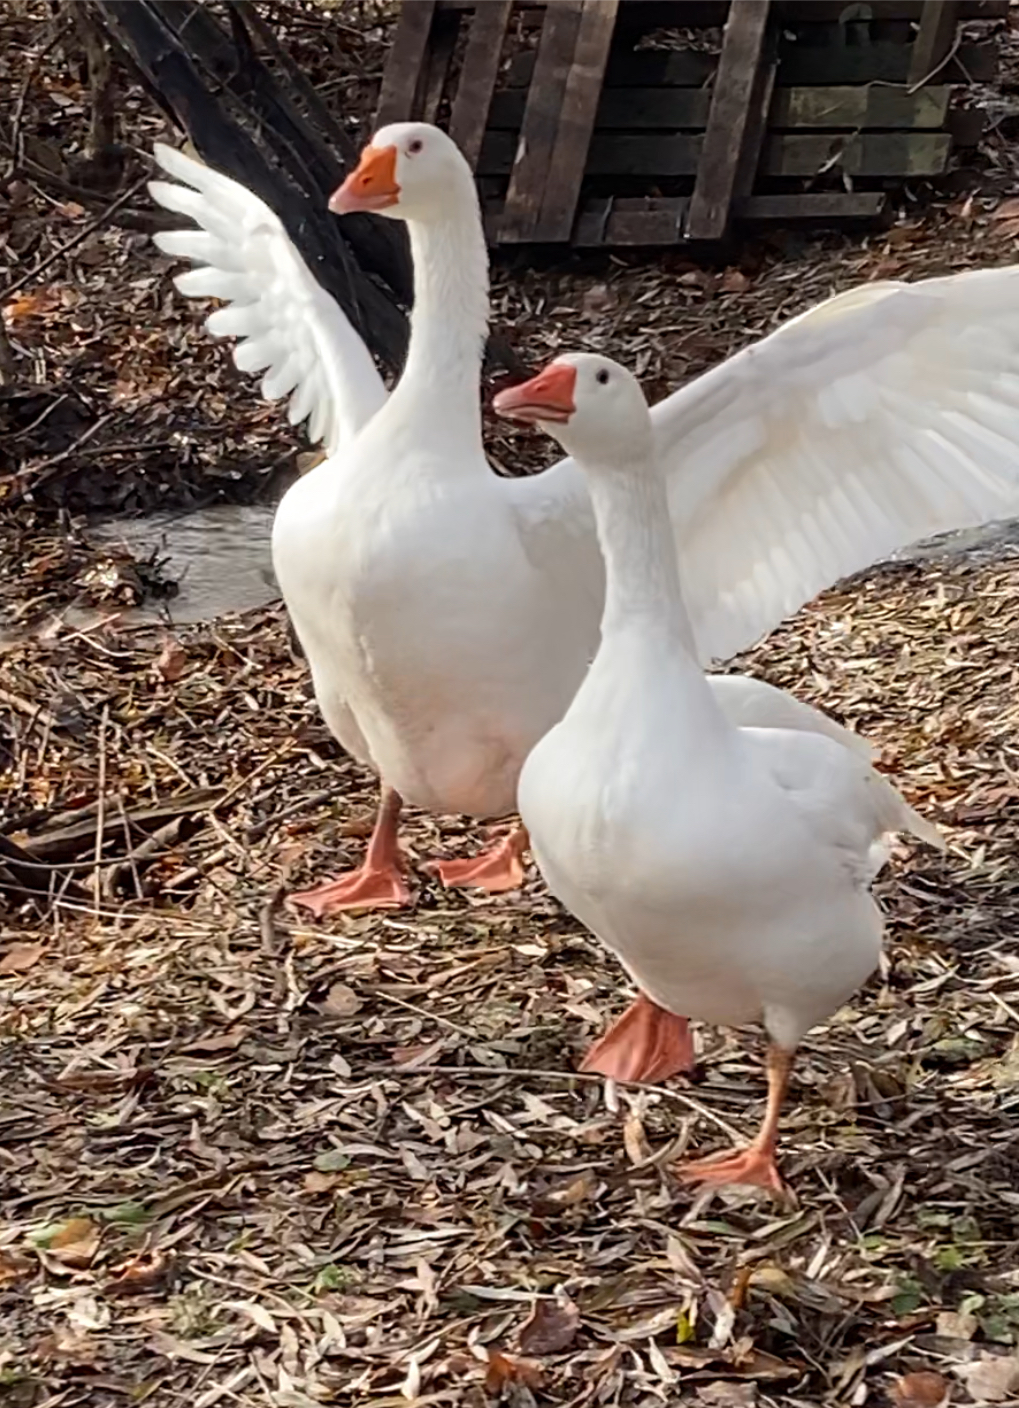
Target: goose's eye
column 602, row 377
column 414, row 147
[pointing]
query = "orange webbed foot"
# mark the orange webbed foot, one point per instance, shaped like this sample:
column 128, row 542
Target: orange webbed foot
column 754, row 1166
column 370, row 887
column 499, row 868
column 646, row 1044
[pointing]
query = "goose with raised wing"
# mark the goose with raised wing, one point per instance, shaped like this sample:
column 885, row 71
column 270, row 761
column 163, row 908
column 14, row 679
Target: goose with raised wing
column 448, row 614
column 727, row 868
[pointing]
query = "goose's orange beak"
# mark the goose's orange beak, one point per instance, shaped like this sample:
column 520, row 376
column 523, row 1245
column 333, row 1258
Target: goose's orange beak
column 546, row 397
column 372, row 185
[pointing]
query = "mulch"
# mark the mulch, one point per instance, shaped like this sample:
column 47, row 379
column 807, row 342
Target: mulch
column 250, row 1159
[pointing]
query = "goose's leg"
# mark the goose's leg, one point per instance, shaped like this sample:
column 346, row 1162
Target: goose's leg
column 378, row 882
column 647, row 1043
column 501, row 867
column 756, row 1163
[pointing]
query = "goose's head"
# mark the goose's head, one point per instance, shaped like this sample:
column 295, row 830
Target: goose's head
column 409, row 170
column 590, row 404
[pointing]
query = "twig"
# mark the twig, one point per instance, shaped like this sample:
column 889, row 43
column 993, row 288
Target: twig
column 35, row 712
column 87, row 229
column 101, row 809
column 537, row 1073
column 154, row 847
column 914, row 87
column 19, row 106
column 44, row 472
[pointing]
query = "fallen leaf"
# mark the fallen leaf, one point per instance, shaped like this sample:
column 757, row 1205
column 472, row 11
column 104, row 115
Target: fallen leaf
column 510, row 1368
column 12, row 1266
column 75, row 1243
column 551, row 1326
column 332, row 1161
column 734, row 281
column 20, row 957
column 634, row 1140
column 321, row 1182
column 1007, row 210
column 69, row 1347
column 255, row 1313
column 724, row 1394
column 957, row 1324
column 308, row 459
column 923, row 1389
column 566, row 1195
column 342, row 1001
column 217, row 1041
column 992, row 1379
column 172, row 659
column 143, row 1272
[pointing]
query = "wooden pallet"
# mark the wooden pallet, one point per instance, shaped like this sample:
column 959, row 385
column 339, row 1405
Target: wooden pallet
column 580, row 130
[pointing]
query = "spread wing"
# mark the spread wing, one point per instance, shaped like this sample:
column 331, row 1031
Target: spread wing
column 287, row 326
column 881, row 417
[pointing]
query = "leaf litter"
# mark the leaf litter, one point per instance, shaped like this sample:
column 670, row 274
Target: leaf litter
column 249, row 1159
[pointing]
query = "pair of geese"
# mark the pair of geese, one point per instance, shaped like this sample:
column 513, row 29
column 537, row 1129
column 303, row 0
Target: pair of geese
column 490, row 644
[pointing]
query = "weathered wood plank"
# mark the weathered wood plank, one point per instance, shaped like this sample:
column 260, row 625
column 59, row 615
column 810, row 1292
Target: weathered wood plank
column 478, row 77
column 402, row 77
column 880, row 62
column 576, row 121
column 686, row 109
column 938, row 21
column 705, row 13
column 757, row 122
column 445, row 29
column 817, row 206
column 660, row 220
column 866, row 154
column 803, row 155
column 729, row 119
column 847, row 106
column 532, row 156
column 799, row 65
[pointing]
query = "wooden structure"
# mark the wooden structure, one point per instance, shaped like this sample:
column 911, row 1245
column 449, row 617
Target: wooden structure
column 626, row 122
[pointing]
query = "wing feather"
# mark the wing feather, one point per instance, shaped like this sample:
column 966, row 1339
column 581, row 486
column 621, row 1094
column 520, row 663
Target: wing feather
column 285, row 323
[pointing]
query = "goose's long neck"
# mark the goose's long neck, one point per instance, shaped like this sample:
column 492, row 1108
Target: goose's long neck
column 642, row 589
column 449, row 322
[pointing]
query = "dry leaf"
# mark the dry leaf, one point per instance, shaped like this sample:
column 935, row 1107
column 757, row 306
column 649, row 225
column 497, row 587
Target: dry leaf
column 76, row 1243
column 634, row 1140
column 566, row 1195
column 924, row 1389
column 1007, row 210
column 551, row 1326
column 308, row 459
column 143, row 1272
column 20, row 957
column 734, row 281
column 172, row 659
column 64, row 1345
column 317, row 1181
column 992, row 1379
column 957, row 1324
column 13, row 1266
column 508, row 1368
column 217, row 1041
column 725, row 1394
column 342, row 1001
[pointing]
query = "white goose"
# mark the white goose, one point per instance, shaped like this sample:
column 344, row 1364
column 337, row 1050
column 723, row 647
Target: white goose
column 727, row 868
column 448, row 615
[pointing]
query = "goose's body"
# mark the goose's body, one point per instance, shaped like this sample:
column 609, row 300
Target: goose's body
column 447, row 614
column 382, row 566
column 726, row 867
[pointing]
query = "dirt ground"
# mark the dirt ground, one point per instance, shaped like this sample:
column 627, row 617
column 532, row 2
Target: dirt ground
column 249, row 1159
